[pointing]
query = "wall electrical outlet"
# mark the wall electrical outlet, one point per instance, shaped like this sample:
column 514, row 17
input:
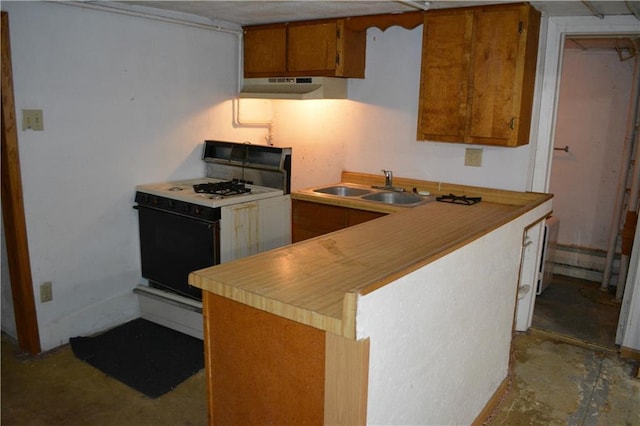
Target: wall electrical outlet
column 46, row 292
column 32, row 119
column 473, row 157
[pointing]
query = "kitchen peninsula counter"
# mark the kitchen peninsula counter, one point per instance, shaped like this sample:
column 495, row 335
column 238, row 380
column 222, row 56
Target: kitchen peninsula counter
column 316, row 282
column 328, row 292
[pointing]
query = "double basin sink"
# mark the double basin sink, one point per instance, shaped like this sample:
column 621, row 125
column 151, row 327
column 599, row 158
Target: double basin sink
column 378, row 196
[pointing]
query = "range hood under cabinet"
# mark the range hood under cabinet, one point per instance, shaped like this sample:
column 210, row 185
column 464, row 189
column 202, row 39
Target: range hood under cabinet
column 311, row 59
column 295, row 88
column 302, row 60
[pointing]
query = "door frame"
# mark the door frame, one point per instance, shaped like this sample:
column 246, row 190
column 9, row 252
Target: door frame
column 553, row 34
column 553, row 38
column 15, row 229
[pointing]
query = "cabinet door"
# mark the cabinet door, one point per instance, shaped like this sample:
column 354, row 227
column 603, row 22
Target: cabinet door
column 312, row 219
column 497, row 64
column 478, row 73
column 239, row 231
column 444, row 83
column 355, row 217
column 312, row 48
column 265, row 51
column 274, row 227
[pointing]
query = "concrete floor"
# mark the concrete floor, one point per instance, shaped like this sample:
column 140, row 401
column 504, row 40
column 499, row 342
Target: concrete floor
column 558, row 378
column 58, row 389
column 579, row 309
column 559, row 383
column 553, row 383
column 566, row 371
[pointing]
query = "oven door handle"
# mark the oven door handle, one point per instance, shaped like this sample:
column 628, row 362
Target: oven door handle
column 197, row 219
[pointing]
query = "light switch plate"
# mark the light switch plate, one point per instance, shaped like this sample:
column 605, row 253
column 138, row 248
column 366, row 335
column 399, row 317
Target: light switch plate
column 32, row 119
column 46, row 292
column 473, row 157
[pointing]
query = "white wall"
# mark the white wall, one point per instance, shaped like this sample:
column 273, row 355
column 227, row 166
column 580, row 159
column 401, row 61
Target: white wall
column 376, row 128
column 593, row 107
column 126, row 101
column 440, row 342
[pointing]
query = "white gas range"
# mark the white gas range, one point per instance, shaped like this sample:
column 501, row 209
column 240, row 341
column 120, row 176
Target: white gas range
column 242, row 207
column 209, row 192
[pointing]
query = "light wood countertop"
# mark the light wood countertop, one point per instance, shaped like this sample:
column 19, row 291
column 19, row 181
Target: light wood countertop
column 316, row 281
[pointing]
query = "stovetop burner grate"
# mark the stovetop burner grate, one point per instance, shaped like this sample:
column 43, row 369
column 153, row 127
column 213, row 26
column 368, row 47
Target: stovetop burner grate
column 232, row 187
column 458, row 199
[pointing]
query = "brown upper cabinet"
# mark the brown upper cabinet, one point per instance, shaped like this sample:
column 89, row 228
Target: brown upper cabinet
column 310, row 48
column 478, row 73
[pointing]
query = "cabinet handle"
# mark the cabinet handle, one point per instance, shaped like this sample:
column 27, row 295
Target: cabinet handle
column 512, row 123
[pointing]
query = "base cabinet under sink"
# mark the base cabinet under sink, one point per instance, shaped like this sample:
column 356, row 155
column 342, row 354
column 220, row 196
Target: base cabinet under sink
column 313, row 219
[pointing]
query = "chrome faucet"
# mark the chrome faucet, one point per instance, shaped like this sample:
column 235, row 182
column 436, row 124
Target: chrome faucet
column 388, row 178
column 388, row 182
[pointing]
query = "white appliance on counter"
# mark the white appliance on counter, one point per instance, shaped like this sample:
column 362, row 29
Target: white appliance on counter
column 242, row 207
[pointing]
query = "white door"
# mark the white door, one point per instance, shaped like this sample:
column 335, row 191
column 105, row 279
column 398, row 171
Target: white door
column 553, row 33
column 529, row 275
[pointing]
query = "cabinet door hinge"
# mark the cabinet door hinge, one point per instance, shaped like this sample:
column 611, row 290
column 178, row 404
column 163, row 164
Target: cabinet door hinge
column 520, row 27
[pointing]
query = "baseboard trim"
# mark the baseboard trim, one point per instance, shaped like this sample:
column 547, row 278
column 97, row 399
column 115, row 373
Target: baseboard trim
column 494, row 402
column 630, row 353
column 583, row 263
column 571, row 340
column 170, row 310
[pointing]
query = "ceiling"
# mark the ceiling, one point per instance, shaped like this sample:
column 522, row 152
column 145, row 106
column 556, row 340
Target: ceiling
column 260, row 12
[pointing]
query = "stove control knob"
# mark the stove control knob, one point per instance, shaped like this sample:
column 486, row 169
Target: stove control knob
column 197, row 210
column 171, row 204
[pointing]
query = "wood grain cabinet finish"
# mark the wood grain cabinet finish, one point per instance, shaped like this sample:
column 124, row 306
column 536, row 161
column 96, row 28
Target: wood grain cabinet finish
column 263, row 369
column 309, row 48
column 313, row 219
column 265, row 51
column 478, row 74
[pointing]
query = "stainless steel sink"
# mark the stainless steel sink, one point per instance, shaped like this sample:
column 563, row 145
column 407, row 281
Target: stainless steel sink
column 398, row 198
column 394, row 198
column 343, row 191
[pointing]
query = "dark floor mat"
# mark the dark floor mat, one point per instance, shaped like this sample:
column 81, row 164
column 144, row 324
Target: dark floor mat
column 143, row 355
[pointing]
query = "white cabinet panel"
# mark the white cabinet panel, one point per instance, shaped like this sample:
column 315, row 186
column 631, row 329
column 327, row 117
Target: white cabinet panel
column 254, row 227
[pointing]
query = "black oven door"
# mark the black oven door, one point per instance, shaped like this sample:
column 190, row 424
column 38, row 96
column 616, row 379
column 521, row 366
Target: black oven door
column 172, row 246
